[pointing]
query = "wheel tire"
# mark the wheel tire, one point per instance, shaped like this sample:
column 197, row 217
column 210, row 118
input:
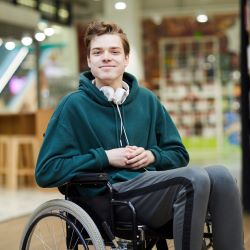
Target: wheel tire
column 56, row 208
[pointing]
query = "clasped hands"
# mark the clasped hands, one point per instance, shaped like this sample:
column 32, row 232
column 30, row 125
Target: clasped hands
column 131, row 157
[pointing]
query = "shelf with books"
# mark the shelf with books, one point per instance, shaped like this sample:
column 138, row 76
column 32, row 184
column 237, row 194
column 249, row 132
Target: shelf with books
column 190, row 87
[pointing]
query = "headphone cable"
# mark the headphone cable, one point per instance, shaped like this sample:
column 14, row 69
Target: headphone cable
column 122, row 127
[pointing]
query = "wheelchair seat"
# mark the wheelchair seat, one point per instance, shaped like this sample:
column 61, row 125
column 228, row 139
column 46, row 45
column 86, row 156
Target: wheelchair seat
column 94, row 222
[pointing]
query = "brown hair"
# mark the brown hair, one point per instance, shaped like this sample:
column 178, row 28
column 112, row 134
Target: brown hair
column 97, row 28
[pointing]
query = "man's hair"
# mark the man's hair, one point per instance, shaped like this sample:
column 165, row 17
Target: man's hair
column 97, row 28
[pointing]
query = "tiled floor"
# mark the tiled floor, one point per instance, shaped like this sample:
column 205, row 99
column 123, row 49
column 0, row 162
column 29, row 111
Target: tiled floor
column 15, row 204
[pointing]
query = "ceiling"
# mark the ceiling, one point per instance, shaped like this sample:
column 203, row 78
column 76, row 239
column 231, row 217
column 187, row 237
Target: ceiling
column 84, row 10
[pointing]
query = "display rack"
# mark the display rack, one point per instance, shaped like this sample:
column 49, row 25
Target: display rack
column 190, row 86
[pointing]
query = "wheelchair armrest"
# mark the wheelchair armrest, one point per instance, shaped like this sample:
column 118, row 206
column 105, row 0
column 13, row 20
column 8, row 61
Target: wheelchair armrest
column 89, row 178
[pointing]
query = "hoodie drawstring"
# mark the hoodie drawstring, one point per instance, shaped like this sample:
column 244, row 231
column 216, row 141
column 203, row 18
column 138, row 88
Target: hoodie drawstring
column 122, row 128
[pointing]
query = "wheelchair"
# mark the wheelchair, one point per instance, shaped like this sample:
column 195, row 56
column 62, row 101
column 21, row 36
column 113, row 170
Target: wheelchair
column 75, row 223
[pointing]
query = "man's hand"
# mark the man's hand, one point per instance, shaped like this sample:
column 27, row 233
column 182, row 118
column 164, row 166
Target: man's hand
column 139, row 157
column 132, row 157
column 118, row 157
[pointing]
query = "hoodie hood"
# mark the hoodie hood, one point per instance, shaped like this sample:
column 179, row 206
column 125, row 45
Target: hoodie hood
column 86, row 85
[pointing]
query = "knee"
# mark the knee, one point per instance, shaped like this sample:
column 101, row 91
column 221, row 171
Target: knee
column 195, row 183
column 224, row 189
column 221, row 177
column 200, row 179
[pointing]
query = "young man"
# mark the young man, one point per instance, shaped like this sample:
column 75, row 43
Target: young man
column 113, row 125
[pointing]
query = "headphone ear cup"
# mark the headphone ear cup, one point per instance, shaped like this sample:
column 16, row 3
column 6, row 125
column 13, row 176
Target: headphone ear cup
column 108, row 92
column 120, row 96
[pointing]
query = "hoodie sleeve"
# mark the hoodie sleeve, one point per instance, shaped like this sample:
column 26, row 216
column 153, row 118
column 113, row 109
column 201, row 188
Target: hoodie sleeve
column 60, row 158
column 169, row 152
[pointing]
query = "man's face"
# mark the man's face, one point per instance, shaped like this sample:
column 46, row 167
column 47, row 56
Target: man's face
column 107, row 60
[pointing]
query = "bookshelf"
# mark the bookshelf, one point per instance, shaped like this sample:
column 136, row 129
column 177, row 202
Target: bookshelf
column 190, row 87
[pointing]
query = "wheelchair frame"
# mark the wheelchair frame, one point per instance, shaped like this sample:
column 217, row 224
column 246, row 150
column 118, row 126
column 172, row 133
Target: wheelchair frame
column 142, row 237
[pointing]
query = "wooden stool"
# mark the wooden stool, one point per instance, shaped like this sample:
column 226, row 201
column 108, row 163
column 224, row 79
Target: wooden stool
column 3, row 159
column 19, row 154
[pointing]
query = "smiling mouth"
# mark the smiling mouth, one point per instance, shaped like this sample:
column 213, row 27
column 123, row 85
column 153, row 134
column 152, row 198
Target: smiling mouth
column 107, row 66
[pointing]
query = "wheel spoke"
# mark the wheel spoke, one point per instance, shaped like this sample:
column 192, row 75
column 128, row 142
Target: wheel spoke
column 45, row 245
column 53, row 229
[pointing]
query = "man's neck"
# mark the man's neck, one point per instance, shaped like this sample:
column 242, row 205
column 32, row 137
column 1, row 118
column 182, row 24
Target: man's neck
column 114, row 85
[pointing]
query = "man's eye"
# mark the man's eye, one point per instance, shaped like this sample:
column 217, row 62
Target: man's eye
column 96, row 53
column 115, row 52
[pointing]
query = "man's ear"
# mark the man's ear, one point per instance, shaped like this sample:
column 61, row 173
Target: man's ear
column 126, row 60
column 88, row 61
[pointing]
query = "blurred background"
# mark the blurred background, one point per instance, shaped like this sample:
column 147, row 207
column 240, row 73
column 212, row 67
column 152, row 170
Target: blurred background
column 193, row 54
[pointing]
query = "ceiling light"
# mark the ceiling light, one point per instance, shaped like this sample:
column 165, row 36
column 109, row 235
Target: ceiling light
column 202, row 18
column 10, row 45
column 39, row 36
column 49, row 31
column 120, row 5
column 27, row 40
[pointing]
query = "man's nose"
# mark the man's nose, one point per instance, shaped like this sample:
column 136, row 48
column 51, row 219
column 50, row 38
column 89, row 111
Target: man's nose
column 106, row 55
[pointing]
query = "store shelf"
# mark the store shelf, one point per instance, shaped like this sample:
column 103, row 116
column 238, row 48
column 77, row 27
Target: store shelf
column 190, row 86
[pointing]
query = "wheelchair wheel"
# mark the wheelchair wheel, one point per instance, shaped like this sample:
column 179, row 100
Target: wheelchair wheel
column 61, row 224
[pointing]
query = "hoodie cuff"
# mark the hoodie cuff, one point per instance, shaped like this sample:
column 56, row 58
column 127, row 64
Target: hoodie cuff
column 101, row 157
column 156, row 152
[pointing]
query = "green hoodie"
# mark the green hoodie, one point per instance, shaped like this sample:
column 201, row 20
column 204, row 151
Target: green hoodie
column 85, row 124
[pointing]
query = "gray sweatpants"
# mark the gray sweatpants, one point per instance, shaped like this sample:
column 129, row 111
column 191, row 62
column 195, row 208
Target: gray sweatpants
column 185, row 195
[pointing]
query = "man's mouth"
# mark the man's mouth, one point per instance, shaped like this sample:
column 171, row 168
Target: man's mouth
column 107, row 66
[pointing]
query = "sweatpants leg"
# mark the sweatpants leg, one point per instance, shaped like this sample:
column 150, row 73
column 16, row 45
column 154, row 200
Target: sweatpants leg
column 180, row 194
column 225, row 209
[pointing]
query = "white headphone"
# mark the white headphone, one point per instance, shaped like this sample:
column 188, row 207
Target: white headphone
column 117, row 96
